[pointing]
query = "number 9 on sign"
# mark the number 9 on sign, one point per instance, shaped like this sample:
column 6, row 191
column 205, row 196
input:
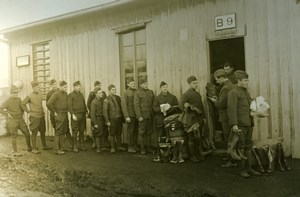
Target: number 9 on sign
column 225, row 22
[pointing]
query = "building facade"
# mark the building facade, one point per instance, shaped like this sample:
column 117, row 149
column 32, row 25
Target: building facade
column 170, row 40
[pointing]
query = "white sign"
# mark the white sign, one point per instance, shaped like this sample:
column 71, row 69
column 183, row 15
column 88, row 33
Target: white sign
column 225, row 22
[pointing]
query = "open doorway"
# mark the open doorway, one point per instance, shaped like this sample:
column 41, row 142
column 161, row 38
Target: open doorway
column 227, row 50
column 223, row 51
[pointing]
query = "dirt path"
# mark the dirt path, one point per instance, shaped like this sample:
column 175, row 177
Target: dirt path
column 121, row 174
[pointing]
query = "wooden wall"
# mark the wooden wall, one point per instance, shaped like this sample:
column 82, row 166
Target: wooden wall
column 86, row 48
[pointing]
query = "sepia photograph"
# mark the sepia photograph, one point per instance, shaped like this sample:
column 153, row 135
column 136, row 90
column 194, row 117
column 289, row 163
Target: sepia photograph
column 150, row 98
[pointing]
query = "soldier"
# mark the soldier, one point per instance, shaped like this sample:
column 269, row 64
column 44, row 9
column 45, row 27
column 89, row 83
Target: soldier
column 221, row 103
column 91, row 97
column 36, row 118
column 229, row 72
column 13, row 110
column 113, row 116
column 58, row 106
column 129, row 115
column 98, row 119
column 238, row 109
column 54, row 88
column 167, row 99
column 143, row 103
column 78, row 111
column 191, row 104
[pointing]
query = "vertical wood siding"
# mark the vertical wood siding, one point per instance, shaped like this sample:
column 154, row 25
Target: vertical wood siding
column 87, row 49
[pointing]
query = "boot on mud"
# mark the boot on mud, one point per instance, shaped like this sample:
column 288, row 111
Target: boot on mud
column 81, row 142
column 62, row 146
column 232, row 142
column 283, row 159
column 229, row 164
column 243, row 173
column 98, row 144
column 248, row 165
column 193, row 157
column 142, row 144
column 111, row 140
column 148, row 144
column 119, row 144
column 34, row 148
column 241, row 154
column 278, row 158
column 43, row 139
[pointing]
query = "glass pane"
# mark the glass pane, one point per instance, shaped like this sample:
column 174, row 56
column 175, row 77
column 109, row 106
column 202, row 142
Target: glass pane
column 140, row 36
column 141, row 52
column 127, row 39
column 128, row 54
column 141, row 68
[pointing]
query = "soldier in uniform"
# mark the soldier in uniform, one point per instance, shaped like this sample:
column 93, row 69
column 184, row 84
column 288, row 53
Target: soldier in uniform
column 90, row 99
column 191, row 104
column 143, row 103
column 36, row 118
column 13, row 110
column 240, row 121
column 58, row 106
column 129, row 115
column 97, row 118
column 54, row 88
column 164, row 98
column 114, row 119
column 221, row 103
column 78, row 111
column 229, row 72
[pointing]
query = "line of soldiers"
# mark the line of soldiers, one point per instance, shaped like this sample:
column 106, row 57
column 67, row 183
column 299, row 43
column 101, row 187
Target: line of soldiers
column 138, row 108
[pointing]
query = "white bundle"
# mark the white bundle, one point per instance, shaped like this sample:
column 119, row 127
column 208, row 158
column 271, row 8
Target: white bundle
column 259, row 107
column 164, row 108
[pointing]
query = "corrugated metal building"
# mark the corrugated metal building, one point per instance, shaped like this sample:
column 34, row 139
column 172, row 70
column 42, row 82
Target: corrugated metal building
column 170, row 40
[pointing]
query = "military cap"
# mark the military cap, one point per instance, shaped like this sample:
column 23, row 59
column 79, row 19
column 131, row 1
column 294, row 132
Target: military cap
column 219, row 73
column 97, row 83
column 191, row 79
column 76, row 83
column 52, row 81
column 62, row 83
column 163, row 84
column 111, row 86
column 240, row 74
column 34, row 84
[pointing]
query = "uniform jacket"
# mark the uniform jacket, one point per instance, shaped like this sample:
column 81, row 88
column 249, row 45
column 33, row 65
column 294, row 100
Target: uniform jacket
column 13, row 107
column 35, row 101
column 238, row 107
column 194, row 98
column 58, row 102
column 163, row 99
column 76, row 103
column 110, row 109
column 221, row 104
column 127, row 103
column 143, row 103
column 96, row 109
column 231, row 77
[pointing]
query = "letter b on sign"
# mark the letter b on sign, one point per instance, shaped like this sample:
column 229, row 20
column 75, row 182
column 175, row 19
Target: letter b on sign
column 225, row 22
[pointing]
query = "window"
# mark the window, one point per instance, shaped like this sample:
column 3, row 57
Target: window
column 41, row 65
column 133, row 56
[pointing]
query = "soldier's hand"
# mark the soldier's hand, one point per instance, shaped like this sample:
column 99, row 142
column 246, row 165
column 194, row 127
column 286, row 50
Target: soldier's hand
column 96, row 126
column 186, row 105
column 74, row 117
column 9, row 116
column 55, row 114
column 128, row 119
column 108, row 124
column 141, row 119
column 235, row 128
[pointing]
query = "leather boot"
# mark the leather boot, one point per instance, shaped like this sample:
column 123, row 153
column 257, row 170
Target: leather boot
column 27, row 138
column 142, row 144
column 98, row 143
column 249, row 164
column 278, row 157
column 43, row 139
column 243, row 173
column 34, row 148
column 81, row 141
column 61, row 142
column 180, row 149
column 119, row 143
column 241, row 153
column 270, row 160
column 75, row 142
column 200, row 150
column 175, row 154
column 148, row 144
column 260, row 166
column 193, row 157
column 69, row 138
column 233, row 140
column 111, row 140
column 283, row 159
column 14, row 143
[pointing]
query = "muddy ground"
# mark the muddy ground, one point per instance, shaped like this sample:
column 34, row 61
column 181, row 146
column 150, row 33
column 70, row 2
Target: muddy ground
column 123, row 174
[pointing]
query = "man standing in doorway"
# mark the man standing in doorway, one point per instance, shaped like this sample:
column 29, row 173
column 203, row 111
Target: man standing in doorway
column 78, row 111
column 36, row 118
column 229, row 72
column 143, row 103
column 240, row 121
column 191, row 104
column 129, row 115
column 221, row 103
